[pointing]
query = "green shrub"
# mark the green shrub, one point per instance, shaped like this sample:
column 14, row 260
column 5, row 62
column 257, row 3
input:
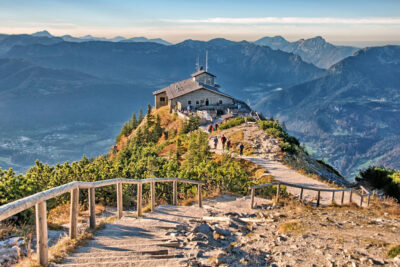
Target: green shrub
column 190, row 125
column 387, row 180
column 231, row 123
column 288, row 144
column 394, row 251
column 274, row 132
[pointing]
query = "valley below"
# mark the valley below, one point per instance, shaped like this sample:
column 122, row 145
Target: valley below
column 20, row 149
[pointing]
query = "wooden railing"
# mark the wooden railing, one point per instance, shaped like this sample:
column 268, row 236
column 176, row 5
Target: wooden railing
column 363, row 193
column 39, row 201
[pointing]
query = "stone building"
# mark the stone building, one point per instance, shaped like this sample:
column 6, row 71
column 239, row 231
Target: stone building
column 196, row 93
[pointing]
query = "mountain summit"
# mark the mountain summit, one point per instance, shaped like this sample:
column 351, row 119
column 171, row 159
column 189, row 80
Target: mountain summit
column 314, row 50
column 42, row 34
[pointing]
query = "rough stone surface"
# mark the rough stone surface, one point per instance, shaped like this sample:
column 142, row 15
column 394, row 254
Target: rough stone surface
column 225, row 232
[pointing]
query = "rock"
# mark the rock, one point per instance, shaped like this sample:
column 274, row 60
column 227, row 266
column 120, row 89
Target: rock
column 223, row 232
column 281, row 238
column 396, row 260
column 203, row 228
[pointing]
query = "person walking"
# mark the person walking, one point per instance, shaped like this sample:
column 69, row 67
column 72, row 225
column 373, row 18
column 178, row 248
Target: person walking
column 223, row 141
column 228, row 144
column 210, row 129
column 241, row 147
column 215, row 142
column 216, row 126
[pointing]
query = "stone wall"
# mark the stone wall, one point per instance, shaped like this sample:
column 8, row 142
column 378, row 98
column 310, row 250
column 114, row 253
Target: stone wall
column 201, row 97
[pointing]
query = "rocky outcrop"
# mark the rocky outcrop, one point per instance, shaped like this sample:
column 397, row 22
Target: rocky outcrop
column 11, row 250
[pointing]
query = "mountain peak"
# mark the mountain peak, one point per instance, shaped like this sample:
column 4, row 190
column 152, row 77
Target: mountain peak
column 43, row 33
column 318, row 39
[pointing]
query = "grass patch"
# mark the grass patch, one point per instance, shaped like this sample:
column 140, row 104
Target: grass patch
column 65, row 246
column 231, row 123
column 394, row 251
column 293, row 226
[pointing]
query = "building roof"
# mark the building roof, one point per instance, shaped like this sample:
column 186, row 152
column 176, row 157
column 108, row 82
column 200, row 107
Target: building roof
column 187, row 86
column 201, row 71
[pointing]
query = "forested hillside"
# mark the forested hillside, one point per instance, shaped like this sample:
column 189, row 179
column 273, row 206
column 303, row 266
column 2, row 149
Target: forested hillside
column 161, row 145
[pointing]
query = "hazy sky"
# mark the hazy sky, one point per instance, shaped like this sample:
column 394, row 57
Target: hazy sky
column 359, row 22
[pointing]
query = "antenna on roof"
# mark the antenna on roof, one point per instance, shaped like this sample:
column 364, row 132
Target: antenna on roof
column 206, row 60
column 197, row 64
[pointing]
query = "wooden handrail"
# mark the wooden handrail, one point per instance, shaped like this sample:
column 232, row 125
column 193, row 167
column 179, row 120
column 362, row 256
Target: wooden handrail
column 319, row 190
column 22, row 204
column 39, row 201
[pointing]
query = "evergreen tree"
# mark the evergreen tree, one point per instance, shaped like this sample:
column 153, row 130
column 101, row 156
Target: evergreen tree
column 157, row 129
column 133, row 122
column 140, row 118
column 125, row 129
column 149, row 116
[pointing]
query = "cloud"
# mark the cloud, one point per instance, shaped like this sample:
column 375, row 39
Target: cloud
column 288, row 20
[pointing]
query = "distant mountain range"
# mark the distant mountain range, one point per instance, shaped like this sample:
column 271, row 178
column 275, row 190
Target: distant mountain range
column 350, row 115
column 88, row 38
column 243, row 68
column 314, row 50
column 61, row 99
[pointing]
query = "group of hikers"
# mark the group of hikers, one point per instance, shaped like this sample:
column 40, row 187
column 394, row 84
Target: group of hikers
column 211, row 128
column 227, row 142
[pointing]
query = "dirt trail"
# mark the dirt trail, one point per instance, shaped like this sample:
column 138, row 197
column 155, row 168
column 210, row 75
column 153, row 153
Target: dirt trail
column 284, row 174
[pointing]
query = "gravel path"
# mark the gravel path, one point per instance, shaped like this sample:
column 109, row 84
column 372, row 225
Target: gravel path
column 158, row 238
column 284, row 174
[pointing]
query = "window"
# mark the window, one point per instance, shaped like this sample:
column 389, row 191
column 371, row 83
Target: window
column 162, row 99
column 189, row 102
column 197, row 102
column 220, row 102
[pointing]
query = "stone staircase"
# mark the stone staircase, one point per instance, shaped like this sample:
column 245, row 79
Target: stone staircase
column 148, row 241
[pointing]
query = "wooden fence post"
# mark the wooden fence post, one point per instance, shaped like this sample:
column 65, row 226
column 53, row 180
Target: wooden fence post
column 351, row 196
column 369, row 198
column 92, row 208
column 153, row 195
column 119, row 200
column 301, row 194
column 278, row 190
column 361, row 199
column 74, row 209
column 333, row 196
column 199, row 192
column 318, row 197
column 139, row 199
column 252, row 198
column 41, row 233
column 341, row 201
column 175, row 189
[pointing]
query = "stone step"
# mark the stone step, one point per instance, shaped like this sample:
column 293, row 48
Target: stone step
column 105, row 253
column 128, row 247
column 122, row 258
column 129, row 263
column 106, row 241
